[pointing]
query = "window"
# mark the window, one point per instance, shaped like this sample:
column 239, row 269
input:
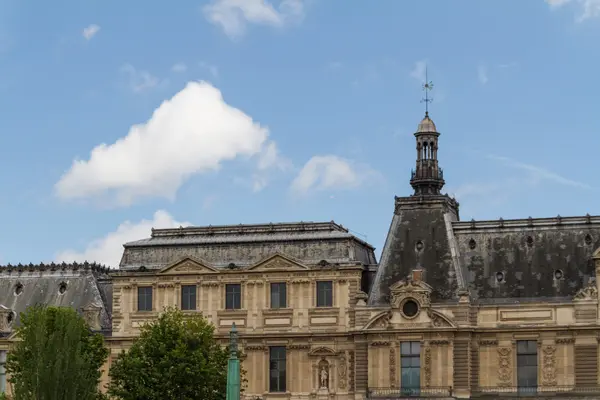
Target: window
column 325, row 294
column 2, row 371
column 278, row 295
column 527, row 368
column 233, row 296
column 277, row 375
column 188, row 297
column 145, row 298
column 410, row 358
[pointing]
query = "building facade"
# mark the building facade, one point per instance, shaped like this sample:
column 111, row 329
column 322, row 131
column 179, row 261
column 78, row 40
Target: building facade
column 453, row 309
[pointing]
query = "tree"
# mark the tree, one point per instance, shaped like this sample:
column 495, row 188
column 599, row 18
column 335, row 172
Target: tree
column 175, row 357
column 56, row 356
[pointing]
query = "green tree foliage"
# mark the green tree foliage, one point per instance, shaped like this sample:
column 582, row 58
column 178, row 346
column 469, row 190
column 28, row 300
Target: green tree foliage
column 175, row 357
column 56, row 356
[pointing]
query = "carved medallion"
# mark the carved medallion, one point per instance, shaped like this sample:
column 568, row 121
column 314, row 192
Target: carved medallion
column 549, row 365
column 504, row 366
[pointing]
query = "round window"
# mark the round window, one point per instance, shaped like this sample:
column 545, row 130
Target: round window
column 410, row 308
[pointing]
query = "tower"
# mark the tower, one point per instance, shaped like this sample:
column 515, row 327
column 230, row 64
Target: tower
column 427, row 178
column 420, row 235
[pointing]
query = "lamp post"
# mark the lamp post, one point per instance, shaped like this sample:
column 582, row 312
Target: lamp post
column 233, row 366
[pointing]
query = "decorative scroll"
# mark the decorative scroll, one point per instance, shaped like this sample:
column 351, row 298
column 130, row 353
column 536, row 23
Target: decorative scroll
column 549, row 365
column 504, row 366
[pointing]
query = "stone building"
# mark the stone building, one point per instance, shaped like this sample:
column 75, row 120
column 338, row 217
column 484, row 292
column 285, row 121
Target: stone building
column 476, row 309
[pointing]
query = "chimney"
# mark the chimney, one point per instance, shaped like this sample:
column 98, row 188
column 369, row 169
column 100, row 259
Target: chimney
column 417, row 275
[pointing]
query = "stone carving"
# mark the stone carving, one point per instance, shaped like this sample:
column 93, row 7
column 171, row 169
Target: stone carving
column 566, row 340
column 7, row 317
column 343, row 372
column 590, row 292
column 382, row 322
column 504, row 366
column 91, row 315
column 361, row 298
column 488, row 342
column 437, row 320
column 323, row 374
column 427, row 366
column 380, row 343
column 393, row 367
column 549, row 365
column 351, row 371
column 409, row 288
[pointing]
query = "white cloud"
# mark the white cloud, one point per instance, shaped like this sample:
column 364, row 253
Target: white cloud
column 233, row 15
column 139, row 80
column 192, row 133
column 482, row 74
column 330, row 172
column 589, row 8
column 90, row 31
column 109, row 249
column 179, row 67
column 214, row 71
column 418, row 72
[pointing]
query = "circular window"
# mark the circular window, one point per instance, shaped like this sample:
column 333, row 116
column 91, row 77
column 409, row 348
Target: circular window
column 588, row 239
column 499, row 276
column 419, row 246
column 472, row 244
column 529, row 241
column 558, row 274
column 410, row 308
column 62, row 287
column 18, row 288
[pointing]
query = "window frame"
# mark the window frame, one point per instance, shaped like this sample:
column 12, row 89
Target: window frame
column 410, row 365
column 149, row 292
column 279, row 304
column 528, row 365
column 322, row 302
column 232, row 305
column 193, row 295
column 277, row 384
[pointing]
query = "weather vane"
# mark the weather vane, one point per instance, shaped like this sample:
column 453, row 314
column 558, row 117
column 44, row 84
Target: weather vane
column 427, row 87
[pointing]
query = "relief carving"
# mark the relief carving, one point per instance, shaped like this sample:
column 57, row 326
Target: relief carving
column 549, row 365
column 380, row 343
column 427, row 366
column 343, row 372
column 6, row 319
column 383, row 322
column 590, row 292
column 393, row 367
column 504, row 366
column 91, row 315
column 437, row 320
column 409, row 288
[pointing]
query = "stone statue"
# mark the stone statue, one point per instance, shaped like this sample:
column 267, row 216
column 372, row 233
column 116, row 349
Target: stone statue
column 324, row 377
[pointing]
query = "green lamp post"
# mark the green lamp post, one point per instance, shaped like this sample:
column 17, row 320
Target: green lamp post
column 233, row 367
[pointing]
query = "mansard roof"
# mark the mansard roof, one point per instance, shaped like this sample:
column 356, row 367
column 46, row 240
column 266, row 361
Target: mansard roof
column 246, row 244
column 81, row 286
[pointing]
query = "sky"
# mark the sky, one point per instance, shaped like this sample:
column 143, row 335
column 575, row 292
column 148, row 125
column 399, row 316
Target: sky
column 118, row 118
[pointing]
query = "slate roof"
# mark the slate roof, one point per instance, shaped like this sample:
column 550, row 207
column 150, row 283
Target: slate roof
column 246, row 244
column 87, row 284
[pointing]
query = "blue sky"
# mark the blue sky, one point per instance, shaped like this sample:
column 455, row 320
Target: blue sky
column 115, row 119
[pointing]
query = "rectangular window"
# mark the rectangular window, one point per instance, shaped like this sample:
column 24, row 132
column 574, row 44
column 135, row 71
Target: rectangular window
column 188, row 297
column 325, row 294
column 233, row 296
column 278, row 295
column 145, row 298
column 2, row 371
column 410, row 359
column 277, row 375
column 527, row 366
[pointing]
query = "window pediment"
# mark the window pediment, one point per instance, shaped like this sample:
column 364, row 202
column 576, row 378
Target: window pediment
column 188, row 265
column 278, row 262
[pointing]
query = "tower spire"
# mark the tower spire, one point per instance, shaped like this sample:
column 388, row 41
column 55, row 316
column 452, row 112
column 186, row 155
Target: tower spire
column 427, row 179
column 427, row 87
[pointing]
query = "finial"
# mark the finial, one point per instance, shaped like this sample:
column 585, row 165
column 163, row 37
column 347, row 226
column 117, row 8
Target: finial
column 427, row 87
